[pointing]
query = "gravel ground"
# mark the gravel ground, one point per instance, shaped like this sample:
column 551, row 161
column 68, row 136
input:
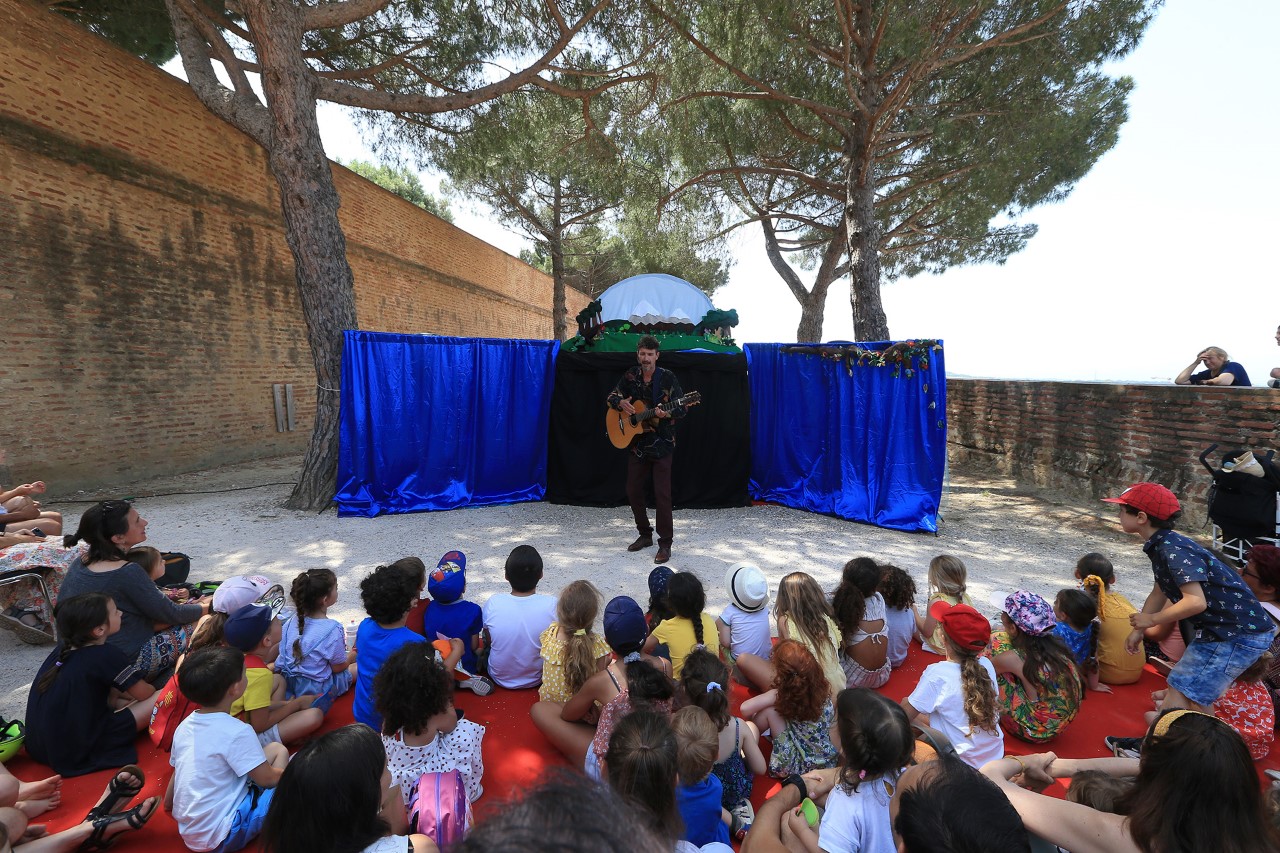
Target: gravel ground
column 1008, row 537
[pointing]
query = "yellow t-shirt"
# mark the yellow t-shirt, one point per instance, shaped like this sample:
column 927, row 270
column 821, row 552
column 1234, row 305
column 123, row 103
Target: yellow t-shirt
column 1115, row 665
column 828, row 659
column 677, row 633
column 258, row 693
column 554, row 688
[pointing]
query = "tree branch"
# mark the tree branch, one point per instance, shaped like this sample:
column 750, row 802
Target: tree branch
column 339, row 13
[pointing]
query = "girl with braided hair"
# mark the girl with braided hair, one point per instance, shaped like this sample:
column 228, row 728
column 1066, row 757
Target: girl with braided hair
column 960, row 694
column 313, row 649
column 88, row 701
column 690, row 628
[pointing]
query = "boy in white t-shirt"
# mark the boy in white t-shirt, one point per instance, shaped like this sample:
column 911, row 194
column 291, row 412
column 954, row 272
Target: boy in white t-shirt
column 944, row 687
column 514, row 621
column 744, row 624
column 223, row 777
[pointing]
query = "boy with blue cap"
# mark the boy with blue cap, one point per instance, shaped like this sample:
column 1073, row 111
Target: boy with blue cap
column 451, row 617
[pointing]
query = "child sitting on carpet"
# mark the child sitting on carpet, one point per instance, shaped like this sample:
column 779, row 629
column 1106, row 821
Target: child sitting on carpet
column 960, row 694
column 659, row 608
column 421, row 731
column 876, row 744
column 899, row 591
column 947, row 585
column 388, row 594
column 88, row 701
column 223, row 776
column 743, row 625
column 631, row 681
column 797, row 711
column 699, row 791
column 514, row 621
column 864, row 631
column 1115, row 665
column 571, row 651
column 256, row 631
column 1077, row 627
column 1246, row 707
column 690, row 628
column 1097, row 789
column 804, row 616
column 450, row 616
column 313, row 648
column 705, row 683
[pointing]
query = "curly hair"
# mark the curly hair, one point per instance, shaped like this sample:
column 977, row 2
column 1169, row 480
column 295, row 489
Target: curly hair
column 687, row 598
column 857, row 584
column 388, row 593
column 802, row 688
column 897, row 587
column 875, row 736
column 576, row 611
column 411, row 688
column 980, row 695
column 701, row 670
column 308, row 591
column 800, row 599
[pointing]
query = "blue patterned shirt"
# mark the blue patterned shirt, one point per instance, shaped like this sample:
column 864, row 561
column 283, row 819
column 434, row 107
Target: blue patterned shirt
column 1232, row 608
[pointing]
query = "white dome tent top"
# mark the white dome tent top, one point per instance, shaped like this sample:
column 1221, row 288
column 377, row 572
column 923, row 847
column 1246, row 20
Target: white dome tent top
column 652, row 299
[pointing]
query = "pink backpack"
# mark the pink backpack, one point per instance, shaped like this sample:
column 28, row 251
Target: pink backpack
column 439, row 808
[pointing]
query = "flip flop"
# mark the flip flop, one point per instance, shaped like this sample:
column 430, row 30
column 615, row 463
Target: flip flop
column 118, row 792
column 133, row 817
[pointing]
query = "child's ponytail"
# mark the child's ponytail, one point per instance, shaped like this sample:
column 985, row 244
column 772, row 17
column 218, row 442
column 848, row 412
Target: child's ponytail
column 645, row 682
column 687, row 598
column 576, row 612
column 875, row 736
column 705, row 681
column 309, row 590
column 948, row 576
column 979, row 692
column 77, row 617
column 859, row 581
column 208, row 632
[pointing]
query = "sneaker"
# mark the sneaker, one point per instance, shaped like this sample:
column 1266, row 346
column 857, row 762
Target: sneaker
column 1124, row 747
column 478, row 685
column 743, row 815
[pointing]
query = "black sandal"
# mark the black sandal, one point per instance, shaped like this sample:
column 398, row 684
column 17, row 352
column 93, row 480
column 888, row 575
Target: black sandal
column 118, row 792
column 133, row 817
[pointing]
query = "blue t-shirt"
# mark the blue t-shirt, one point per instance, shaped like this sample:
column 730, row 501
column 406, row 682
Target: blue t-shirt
column 456, row 620
column 699, row 806
column 1233, row 367
column 1078, row 642
column 374, row 644
column 1232, row 608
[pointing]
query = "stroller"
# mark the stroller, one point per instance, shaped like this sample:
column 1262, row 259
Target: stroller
column 1244, row 501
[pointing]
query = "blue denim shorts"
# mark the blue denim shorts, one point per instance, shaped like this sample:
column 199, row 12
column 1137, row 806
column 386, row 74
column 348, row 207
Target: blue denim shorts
column 1208, row 667
column 247, row 822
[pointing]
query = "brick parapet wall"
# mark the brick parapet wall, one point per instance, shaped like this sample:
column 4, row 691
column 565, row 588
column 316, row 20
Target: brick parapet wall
column 1093, row 439
column 146, row 287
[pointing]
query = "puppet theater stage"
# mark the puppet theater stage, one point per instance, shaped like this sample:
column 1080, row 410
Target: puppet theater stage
column 435, row 423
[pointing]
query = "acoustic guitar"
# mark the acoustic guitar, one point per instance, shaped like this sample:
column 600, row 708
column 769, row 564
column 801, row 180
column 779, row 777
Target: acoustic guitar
column 622, row 428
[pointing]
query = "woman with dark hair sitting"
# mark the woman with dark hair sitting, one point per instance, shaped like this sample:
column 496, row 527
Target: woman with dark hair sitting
column 336, row 797
column 153, row 630
column 1261, row 574
column 1195, row 790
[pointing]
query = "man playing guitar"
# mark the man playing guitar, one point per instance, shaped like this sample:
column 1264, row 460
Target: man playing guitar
column 651, row 451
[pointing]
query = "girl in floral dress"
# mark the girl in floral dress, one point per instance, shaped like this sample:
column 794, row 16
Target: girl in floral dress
column 1040, row 689
column 798, row 712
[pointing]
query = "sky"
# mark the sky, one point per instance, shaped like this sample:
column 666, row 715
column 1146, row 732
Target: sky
column 1163, row 249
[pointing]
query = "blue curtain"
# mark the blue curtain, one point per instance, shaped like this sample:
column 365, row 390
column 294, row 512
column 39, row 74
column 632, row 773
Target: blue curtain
column 869, row 447
column 439, row 423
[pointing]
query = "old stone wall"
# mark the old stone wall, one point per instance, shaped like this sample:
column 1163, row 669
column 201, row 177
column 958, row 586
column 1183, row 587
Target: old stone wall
column 145, row 284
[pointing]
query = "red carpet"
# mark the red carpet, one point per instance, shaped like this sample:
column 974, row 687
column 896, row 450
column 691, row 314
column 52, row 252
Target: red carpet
column 515, row 754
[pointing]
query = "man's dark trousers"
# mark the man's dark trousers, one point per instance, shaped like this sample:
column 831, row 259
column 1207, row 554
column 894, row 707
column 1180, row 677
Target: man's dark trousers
column 639, row 471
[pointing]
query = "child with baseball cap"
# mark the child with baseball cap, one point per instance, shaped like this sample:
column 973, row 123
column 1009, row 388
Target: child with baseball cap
column 1231, row 629
column 1040, row 687
column 965, row 680
column 255, row 630
column 451, row 617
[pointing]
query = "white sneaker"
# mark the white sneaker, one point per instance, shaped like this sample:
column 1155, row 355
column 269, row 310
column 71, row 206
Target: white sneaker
column 478, row 685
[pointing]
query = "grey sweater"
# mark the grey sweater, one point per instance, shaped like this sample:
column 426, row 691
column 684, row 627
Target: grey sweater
column 140, row 601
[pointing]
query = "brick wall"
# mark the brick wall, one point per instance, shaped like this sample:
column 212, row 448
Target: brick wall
column 1094, row 439
column 145, row 284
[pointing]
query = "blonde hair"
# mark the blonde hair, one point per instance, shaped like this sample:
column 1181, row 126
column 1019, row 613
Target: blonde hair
column 979, row 693
column 576, row 611
column 697, row 743
column 800, row 599
column 948, row 575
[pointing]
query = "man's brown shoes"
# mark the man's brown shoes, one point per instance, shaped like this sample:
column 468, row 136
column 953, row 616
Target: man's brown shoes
column 641, row 543
column 663, row 555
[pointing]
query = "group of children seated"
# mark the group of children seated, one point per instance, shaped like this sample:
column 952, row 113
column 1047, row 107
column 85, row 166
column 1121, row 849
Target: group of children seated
column 645, row 703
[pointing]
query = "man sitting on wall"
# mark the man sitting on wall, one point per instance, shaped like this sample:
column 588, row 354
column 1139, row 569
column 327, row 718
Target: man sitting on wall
column 1220, row 370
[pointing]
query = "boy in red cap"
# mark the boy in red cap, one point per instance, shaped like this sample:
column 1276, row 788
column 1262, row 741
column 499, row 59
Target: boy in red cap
column 1232, row 630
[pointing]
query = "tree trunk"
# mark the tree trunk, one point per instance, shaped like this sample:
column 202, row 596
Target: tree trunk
column 559, row 311
column 869, row 321
column 309, row 202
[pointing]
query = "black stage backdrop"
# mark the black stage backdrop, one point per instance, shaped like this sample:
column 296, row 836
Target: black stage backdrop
column 713, row 441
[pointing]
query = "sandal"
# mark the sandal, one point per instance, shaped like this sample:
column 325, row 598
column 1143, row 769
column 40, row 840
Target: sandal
column 133, row 817
column 118, row 792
